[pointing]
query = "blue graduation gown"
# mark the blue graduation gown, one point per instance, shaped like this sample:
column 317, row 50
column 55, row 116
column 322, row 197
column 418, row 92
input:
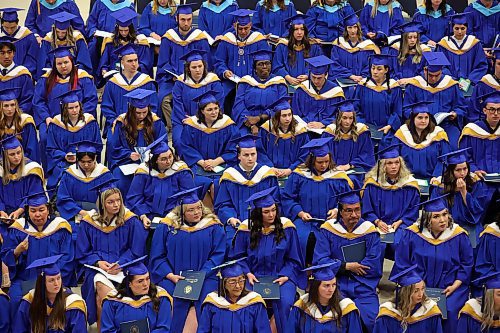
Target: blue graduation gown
column 488, row 84
column 435, row 25
column 75, row 314
column 422, row 158
column 350, row 59
column 408, row 68
column 38, row 21
column 149, row 192
column 111, row 243
column 60, row 141
column 272, row 21
column 28, row 138
column 311, row 105
column 215, row 20
column 483, row 22
column 314, row 194
column 26, row 47
column 383, row 21
column 484, row 142
column 269, row 258
column 488, row 251
column 19, row 77
column 175, row 249
column 4, row 312
column 281, row 61
column 110, row 61
column 471, row 319
column 100, row 16
column 119, row 310
column 158, row 23
column 308, row 318
column 327, row 22
column 247, row 315
column 254, row 97
column 183, row 93
column 424, row 318
column 440, row 262
column 360, row 288
column 467, row 60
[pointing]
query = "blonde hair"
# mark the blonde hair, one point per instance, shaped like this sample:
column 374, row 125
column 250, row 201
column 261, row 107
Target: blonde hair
column 404, row 172
column 404, row 303
column 176, row 215
column 352, row 130
column 171, row 4
column 404, row 49
column 70, row 39
column 488, row 317
column 17, row 120
column 375, row 8
column 6, row 177
column 105, row 218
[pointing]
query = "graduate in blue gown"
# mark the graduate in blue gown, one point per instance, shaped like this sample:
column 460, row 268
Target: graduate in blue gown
column 65, row 129
column 138, row 127
column 323, row 309
column 208, row 142
column 290, row 53
column 488, row 258
column 214, row 16
column 464, row 51
column 443, row 253
column 357, row 280
column 109, row 236
column 38, row 21
column 233, row 308
column 26, row 43
column 325, row 19
column 238, row 183
column 422, row 141
column 157, row 180
column 256, row 93
column 271, row 247
column 435, row 21
column 411, row 310
column 4, row 312
column 137, row 298
column 488, row 83
column 40, row 309
column 271, row 18
column 314, row 98
column 35, row 236
column 310, row 194
column 157, row 18
column 381, row 16
column 190, row 237
column 484, row 21
column 15, row 76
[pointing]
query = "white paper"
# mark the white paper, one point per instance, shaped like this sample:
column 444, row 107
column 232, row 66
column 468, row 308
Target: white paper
column 422, row 182
column 218, row 169
column 151, row 40
column 235, row 78
column 172, row 73
column 115, row 278
column 316, row 130
column 440, row 116
column 110, row 73
column 104, row 34
column 129, row 169
column 156, row 220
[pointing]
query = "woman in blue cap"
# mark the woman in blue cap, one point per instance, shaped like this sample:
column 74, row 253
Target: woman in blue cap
column 214, row 16
column 381, row 16
column 323, row 309
column 14, row 120
column 443, row 253
column 50, row 307
column 411, row 310
column 271, row 247
column 137, row 299
column 108, row 237
column 233, row 308
column 157, row 18
column 138, row 127
column 155, row 181
column 434, row 15
column 70, row 126
column 190, row 237
column 271, row 15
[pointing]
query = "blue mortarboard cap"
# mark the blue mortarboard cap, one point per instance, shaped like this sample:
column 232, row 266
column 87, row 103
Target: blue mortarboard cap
column 8, row 94
column 193, row 55
column 124, row 16
column 105, row 185
column 242, row 16
column 8, row 39
column 230, row 269
column 460, row 18
column 326, row 271
column 381, row 59
column 406, row 277
column 350, row 20
column 262, row 55
column 157, row 147
column 62, row 20
column 496, row 52
column 140, row 98
column 318, row 147
column 419, row 107
column 381, row 39
column 70, row 96
column 125, row 50
column 10, row 142
column 186, row 197
column 87, row 146
column 390, row 152
column 62, row 51
column 245, row 141
column 206, row 97
column 349, row 197
column 411, row 26
column 319, row 65
column 282, row 103
column 263, row 198
column 295, row 19
column 47, row 266
column 436, row 61
column 346, row 105
column 436, row 204
column 490, row 281
column 135, row 267
column 9, row 14
column 455, row 157
column 36, row 199
column 185, row 9
column 491, row 97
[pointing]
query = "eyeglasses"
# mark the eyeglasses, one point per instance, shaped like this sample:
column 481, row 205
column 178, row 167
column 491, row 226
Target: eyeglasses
column 264, row 63
column 195, row 209
column 350, row 211
column 493, row 110
column 233, row 283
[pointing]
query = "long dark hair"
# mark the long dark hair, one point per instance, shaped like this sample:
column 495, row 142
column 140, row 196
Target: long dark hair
column 153, row 161
column 387, row 78
column 52, row 78
column 311, row 159
column 132, row 35
column 257, row 225
column 413, row 129
column 333, row 302
column 429, row 10
column 123, row 290
column 187, row 73
column 450, row 182
column 131, row 126
column 38, row 309
column 306, row 42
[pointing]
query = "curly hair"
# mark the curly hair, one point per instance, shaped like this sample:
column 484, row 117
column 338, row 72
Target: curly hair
column 258, row 224
column 187, row 73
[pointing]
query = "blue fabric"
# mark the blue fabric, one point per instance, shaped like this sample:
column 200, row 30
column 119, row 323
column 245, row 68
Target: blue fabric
column 158, row 23
column 435, row 26
column 11, row 195
column 41, row 24
column 469, row 324
column 347, row 63
column 286, row 153
column 382, row 21
column 386, row 323
column 26, row 51
column 109, row 58
column 25, row 93
column 299, row 321
column 216, row 19
column 100, row 17
column 29, row 142
column 273, row 21
column 281, row 61
column 488, row 254
column 327, row 23
column 484, row 27
column 475, row 109
column 4, row 313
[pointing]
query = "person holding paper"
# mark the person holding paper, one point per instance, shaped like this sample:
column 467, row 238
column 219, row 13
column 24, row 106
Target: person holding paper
column 323, row 309
column 411, row 309
column 271, row 16
column 356, row 243
column 190, row 237
column 137, row 300
column 310, row 194
column 109, row 236
column 50, row 307
column 488, row 258
column 443, row 253
column 215, row 17
column 271, row 247
column 157, row 17
column 233, row 308
column 137, row 128
column 207, row 143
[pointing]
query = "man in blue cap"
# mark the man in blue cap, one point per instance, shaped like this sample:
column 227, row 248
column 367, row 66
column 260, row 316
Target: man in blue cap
column 489, row 83
column 360, row 278
column 484, row 21
column 26, row 48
